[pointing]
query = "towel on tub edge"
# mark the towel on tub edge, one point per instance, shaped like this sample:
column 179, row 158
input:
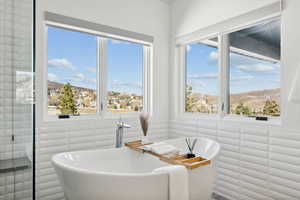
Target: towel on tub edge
column 178, row 181
column 161, row 148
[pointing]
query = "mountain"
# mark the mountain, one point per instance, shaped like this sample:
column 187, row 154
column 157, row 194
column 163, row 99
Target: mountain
column 256, row 95
column 86, row 99
column 55, row 85
column 255, row 100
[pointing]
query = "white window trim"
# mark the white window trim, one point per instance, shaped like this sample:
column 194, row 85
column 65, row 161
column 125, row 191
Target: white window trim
column 180, row 63
column 101, row 70
column 101, row 75
column 224, row 77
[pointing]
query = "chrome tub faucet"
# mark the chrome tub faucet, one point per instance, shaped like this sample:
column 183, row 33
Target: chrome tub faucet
column 119, row 132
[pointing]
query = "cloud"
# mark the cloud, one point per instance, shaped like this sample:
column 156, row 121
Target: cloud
column 213, row 55
column 92, row 70
column 78, row 77
column 197, row 85
column 241, row 78
column 82, row 78
column 126, row 87
column 61, row 63
column 256, row 68
column 120, row 84
column 91, row 80
column 52, row 77
column 204, row 76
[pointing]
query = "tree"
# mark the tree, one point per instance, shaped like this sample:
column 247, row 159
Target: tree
column 188, row 91
column 271, row 108
column 189, row 101
column 242, row 109
column 136, row 108
column 67, row 103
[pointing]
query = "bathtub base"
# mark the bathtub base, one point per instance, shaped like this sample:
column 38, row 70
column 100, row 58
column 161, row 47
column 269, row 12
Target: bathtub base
column 114, row 174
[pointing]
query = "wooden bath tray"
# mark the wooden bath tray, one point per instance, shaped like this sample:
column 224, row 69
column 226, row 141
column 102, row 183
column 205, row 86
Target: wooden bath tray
column 176, row 159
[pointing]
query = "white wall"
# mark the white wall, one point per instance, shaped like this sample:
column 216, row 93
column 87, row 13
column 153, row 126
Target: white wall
column 290, row 61
column 188, row 16
column 258, row 160
column 142, row 16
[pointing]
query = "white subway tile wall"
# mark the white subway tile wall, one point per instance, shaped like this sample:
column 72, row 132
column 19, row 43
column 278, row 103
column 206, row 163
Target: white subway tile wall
column 257, row 162
column 61, row 136
column 15, row 115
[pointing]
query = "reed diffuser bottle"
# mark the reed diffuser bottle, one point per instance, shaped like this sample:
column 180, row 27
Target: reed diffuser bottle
column 144, row 120
column 191, row 143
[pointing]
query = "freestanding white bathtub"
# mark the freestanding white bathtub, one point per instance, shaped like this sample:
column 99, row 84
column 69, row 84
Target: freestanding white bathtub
column 123, row 174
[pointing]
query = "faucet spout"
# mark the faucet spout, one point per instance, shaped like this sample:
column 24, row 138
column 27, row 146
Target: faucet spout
column 120, row 132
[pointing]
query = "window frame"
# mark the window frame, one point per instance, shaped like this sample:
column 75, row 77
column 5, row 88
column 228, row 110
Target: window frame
column 184, row 72
column 101, row 74
column 224, row 75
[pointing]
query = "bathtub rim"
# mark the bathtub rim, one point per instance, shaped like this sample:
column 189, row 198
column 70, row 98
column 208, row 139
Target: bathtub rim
column 103, row 173
column 58, row 164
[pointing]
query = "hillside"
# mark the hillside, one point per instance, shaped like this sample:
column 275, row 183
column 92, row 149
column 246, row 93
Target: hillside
column 86, row 99
column 255, row 100
column 55, row 85
column 252, row 96
column 256, row 96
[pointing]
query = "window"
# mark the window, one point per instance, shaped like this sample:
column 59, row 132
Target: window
column 249, row 75
column 72, row 65
column 255, row 70
column 202, row 77
column 92, row 74
column 125, row 76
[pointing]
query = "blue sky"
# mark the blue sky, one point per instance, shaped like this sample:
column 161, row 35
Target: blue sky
column 246, row 73
column 125, row 67
column 72, row 57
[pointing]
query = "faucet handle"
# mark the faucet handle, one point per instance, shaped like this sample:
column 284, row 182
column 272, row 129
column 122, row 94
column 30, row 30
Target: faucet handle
column 126, row 125
column 122, row 124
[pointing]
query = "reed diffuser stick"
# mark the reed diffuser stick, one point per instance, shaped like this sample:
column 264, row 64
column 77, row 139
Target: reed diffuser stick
column 191, row 146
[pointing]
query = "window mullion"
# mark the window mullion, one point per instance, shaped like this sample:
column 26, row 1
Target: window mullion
column 183, row 77
column 45, row 93
column 146, row 80
column 102, row 74
column 98, row 77
column 224, row 71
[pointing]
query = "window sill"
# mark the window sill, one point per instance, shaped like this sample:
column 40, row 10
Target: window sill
column 107, row 116
column 276, row 121
column 75, row 118
column 272, row 121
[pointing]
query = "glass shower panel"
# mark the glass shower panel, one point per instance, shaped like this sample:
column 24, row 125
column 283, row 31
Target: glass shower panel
column 16, row 100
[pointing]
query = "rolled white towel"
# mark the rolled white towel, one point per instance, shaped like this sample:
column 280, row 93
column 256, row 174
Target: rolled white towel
column 161, row 148
column 178, row 181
